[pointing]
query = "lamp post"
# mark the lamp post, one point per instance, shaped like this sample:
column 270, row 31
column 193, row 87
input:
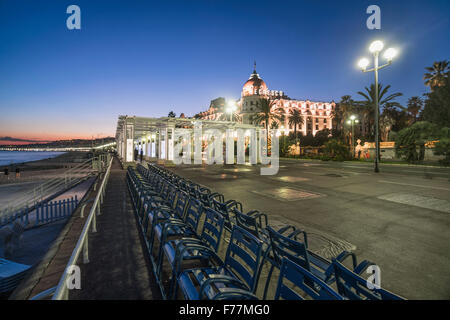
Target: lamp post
column 352, row 121
column 231, row 108
column 375, row 48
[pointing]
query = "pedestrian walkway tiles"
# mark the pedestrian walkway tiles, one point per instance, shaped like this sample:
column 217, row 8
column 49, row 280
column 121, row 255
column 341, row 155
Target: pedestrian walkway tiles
column 290, row 179
column 319, row 242
column 418, row 201
column 288, row 194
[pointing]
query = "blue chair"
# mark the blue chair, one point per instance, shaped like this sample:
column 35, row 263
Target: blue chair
column 225, row 208
column 298, row 252
column 173, row 228
column 157, row 214
column 255, row 222
column 292, row 276
column 196, row 248
column 241, row 269
column 354, row 287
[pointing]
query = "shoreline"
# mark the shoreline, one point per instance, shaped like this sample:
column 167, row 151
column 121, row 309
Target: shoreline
column 39, row 170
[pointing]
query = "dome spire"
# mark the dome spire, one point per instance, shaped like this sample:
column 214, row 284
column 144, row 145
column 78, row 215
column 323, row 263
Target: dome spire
column 254, row 66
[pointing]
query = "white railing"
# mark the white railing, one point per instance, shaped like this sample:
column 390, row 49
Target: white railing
column 53, row 186
column 62, row 291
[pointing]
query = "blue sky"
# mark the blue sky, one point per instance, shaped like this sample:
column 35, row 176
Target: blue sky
column 149, row 57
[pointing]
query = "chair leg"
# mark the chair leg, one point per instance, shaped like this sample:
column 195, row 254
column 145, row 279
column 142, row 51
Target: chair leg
column 269, row 276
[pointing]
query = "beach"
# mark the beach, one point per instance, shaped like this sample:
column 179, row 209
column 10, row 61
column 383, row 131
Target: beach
column 35, row 172
column 39, row 170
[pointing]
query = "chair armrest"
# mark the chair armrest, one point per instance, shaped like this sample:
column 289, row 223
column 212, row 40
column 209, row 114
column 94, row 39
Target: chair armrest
column 344, row 255
column 363, row 266
column 203, row 251
column 243, row 294
column 220, row 278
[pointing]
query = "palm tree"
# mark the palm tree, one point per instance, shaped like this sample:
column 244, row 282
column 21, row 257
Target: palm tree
column 295, row 118
column 383, row 99
column 342, row 112
column 414, row 106
column 267, row 114
column 437, row 74
column 171, row 114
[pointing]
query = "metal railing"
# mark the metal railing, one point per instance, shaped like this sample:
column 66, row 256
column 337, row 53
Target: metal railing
column 82, row 246
column 43, row 212
column 43, row 191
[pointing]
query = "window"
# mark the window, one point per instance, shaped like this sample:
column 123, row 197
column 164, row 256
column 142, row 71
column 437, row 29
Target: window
column 317, row 127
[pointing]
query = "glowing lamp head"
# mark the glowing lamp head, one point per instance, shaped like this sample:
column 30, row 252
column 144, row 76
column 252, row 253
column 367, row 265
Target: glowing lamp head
column 352, row 117
column 363, row 63
column 390, row 54
column 376, row 46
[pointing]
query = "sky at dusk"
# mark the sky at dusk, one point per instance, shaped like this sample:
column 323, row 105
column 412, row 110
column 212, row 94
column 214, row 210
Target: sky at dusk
column 149, row 57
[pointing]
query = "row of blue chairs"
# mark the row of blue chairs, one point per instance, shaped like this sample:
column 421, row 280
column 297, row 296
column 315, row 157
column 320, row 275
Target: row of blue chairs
column 170, row 211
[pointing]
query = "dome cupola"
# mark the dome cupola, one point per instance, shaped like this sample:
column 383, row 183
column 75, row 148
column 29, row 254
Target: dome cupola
column 254, row 85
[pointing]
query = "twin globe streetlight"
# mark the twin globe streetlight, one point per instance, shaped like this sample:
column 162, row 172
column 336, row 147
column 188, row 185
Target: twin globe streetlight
column 375, row 48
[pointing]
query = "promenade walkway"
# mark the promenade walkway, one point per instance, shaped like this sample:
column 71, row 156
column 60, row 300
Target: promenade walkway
column 118, row 267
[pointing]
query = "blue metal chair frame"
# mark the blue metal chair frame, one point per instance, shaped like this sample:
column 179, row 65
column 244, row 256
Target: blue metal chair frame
column 352, row 286
column 304, row 280
column 240, row 269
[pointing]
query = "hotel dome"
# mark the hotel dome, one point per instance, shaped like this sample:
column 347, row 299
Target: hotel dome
column 254, row 85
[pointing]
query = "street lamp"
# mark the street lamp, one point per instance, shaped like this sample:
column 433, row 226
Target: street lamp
column 231, row 108
column 375, row 48
column 352, row 121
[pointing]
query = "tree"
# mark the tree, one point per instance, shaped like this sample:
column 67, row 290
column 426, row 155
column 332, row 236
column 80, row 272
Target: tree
column 369, row 103
column 295, row 118
column 436, row 75
column 321, row 137
column 386, row 123
column 336, row 150
column 398, row 114
column 414, row 106
column 437, row 105
column 442, row 147
column 342, row 112
column 171, row 114
column 414, row 137
column 267, row 114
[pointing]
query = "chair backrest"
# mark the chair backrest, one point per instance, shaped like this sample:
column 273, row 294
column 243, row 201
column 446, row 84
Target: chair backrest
column 225, row 208
column 283, row 246
column 212, row 228
column 165, row 189
column 172, row 196
column 354, row 287
column 194, row 211
column 181, row 204
column 297, row 283
column 243, row 256
column 249, row 223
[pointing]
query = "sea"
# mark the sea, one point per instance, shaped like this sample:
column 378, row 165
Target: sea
column 11, row 157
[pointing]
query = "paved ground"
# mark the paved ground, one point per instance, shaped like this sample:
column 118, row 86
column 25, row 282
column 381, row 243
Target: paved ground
column 118, row 267
column 398, row 218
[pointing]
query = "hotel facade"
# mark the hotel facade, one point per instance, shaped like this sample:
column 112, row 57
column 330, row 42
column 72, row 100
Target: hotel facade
column 316, row 115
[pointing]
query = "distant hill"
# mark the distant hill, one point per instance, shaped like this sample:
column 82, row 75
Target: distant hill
column 79, row 143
